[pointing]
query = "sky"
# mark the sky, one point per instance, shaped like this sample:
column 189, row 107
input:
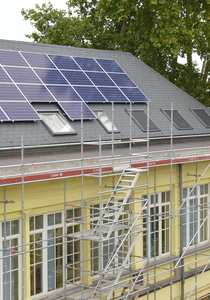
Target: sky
column 12, row 25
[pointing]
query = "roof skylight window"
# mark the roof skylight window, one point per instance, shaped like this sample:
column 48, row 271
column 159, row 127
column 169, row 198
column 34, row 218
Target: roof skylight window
column 105, row 121
column 140, row 118
column 56, row 123
column 202, row 116
column 178, row 119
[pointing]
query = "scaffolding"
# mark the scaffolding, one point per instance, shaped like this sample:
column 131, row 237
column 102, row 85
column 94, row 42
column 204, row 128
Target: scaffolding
column 113, row 225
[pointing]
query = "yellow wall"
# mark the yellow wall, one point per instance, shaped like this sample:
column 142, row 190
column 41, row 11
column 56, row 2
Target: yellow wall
column 48, row 196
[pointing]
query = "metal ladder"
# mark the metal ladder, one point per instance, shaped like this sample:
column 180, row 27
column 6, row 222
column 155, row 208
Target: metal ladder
column 125, row 185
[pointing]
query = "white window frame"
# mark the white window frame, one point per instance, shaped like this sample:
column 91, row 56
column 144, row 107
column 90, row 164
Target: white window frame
column 45, row 260
column 9, row 238
column 153, row 223
column 194, row 216
column 105, row 121
column 56, row 123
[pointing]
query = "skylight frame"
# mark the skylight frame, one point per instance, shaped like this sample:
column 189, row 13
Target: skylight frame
column 174, row 123
column 144, row 129
column 102, row 122
column 202, row 122
column 59, row 118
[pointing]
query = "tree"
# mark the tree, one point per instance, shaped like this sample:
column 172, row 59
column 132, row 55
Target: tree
column 156, row 31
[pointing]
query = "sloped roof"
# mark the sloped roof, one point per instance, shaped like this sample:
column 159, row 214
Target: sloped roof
column 160, row 92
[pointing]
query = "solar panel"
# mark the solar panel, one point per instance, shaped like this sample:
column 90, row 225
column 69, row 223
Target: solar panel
column 90, row 94
column 64, row 93
column 49, row 76
column 134, row 95
column 3, row 116
column 178, row 120
column 140, row 117
column 64, row 79
column 22, row 75
column 19, row 111
column 38, row 60
column 88, row 64
column 77, row 77
column 113, row 94
column 73, row 110
column 122, row 80
column 202, row 116
column 36, row 93
column 110, row 65
column 64, row 62
column 12, row 58
column 3, row 76
column 10, row 92
column 100, row 79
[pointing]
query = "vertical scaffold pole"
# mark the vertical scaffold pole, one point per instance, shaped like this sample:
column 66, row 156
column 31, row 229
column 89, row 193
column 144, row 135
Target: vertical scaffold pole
column 148, row 204
column 22, row 215
column 171, row 205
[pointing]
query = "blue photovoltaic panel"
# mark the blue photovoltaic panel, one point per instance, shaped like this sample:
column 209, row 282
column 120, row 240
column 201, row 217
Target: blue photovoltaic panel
column 3, row 117
column 122, row 80
column 10, row 92
column 36, row 93
column 76, row 77
column 18, row 111
column 22, row 75
column 38, row 60
column 3, row 76
column 88, row 64
column 64, row 62
column 12, row 58
column 110, row 65
column 50, row 76
column 90, row 94
column 113, row 94
column 100, row 79
column 73, row 110
column 64, row 93
column 134, row 95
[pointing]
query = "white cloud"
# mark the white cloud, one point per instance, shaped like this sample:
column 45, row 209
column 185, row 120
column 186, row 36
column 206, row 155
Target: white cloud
column 12, row 25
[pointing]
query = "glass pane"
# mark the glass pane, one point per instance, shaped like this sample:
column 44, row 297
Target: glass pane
column 57, row 218
column 59, row 273
column 56, row 122
column 14, row 227
column 50, row 251
column 31, row 223
column 38, row 278
column 50, row 219
column 184, row 193
column 51, row 275
column 105, row 121
column 32, row 279
column 39, row 222
column 7, row 231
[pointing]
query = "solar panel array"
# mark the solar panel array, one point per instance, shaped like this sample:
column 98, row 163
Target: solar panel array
column 71, row 82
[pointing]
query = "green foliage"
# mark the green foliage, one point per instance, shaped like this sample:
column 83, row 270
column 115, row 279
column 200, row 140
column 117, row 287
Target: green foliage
column 156, row 31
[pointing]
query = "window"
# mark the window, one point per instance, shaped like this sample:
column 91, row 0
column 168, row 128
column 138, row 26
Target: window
column 140, row 118
column 105, row 121
column 56, row 123
column 194, row 212
column 36, row 254
column 157, row 225
column 101, row 252
column 11, row 262
column 49, row 254
column 202, row 116
column 178, row 119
